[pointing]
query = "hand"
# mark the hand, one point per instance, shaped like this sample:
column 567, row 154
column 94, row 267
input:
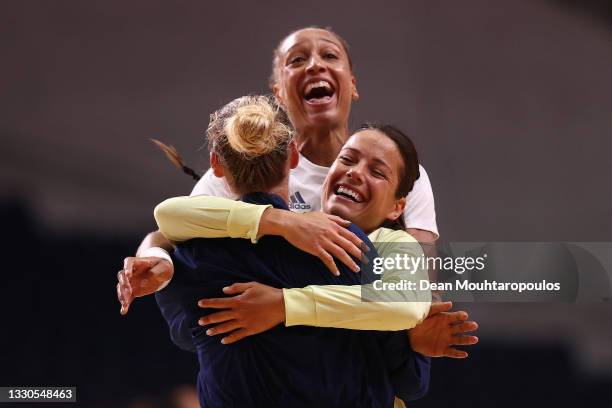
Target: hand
column 322, row 235
column 440, row 330
column 255, row 309
column 141, row 277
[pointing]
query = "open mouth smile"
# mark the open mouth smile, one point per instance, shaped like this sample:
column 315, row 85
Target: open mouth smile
column 318, row 92
column 348, row 193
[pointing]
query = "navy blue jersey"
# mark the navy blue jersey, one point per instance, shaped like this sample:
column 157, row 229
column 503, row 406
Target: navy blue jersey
column 286, row 366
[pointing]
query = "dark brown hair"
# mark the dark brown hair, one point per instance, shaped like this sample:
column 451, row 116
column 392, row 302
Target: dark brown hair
column 409, row 173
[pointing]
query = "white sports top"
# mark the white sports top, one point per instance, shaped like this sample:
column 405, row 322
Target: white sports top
column 305, row 186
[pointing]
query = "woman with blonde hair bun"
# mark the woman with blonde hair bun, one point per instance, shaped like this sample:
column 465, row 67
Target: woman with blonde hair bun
column 249, row 138
column 313, row 80
column 251, row 143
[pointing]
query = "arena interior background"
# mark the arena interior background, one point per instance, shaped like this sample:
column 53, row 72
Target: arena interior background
column 510, row 104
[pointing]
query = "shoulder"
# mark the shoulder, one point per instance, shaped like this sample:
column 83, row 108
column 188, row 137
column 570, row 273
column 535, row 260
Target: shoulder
column 420, row 210
column 212, row 185
column 390, row 235
column 388, row 242
column 422, row 186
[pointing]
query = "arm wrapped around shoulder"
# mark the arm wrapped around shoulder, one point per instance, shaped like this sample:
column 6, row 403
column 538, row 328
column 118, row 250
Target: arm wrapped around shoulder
column 184, row 218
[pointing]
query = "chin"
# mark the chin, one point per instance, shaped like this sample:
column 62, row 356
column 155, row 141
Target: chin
column 338, row 210
column 325, row 118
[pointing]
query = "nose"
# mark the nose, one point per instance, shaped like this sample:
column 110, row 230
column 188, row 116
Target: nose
column 355, row 174
column 315, row 65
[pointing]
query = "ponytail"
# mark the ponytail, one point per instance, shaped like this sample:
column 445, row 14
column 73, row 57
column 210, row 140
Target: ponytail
column 173, row 155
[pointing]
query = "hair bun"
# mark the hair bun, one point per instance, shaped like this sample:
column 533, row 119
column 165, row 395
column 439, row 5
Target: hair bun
column 252, row 130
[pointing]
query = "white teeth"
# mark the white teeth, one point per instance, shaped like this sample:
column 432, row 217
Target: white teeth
column 349, row 192
column 319, row 84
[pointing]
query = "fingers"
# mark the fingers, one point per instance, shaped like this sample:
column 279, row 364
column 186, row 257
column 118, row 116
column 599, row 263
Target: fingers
column 238, row 288
column 347, row 245
column 125, row 298
column 358, row 246
column 464, row 327
column 124, row 292
column 219, row 303
column 223, row 328
column 338, row 220
column 128, row 265
column 456, row 318
column 328, row 260
column 440, row 307
column 123, row 309
column 135, row 265
column 454, row 353
column 342, row 256
column 464, row 340
column 218, row 317
column 235, row 336
column 121, row 277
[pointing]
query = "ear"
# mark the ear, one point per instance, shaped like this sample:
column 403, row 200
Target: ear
column 294, row 155
column 354, row 93
column 397, row 210
column 278, row 95
column 216, row 165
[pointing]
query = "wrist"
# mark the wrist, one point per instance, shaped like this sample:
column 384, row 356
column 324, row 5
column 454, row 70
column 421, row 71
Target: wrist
column 409, row 334
column 156, row 252
column 281, row 307
column 273, row 222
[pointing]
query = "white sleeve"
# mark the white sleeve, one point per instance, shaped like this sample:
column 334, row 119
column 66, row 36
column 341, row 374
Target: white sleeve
column 420, row 211
column 212, row 185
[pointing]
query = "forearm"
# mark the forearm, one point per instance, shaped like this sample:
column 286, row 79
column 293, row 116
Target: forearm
column 183, row 218
column 387, row 304
column 274, row 222
column 153, row 239
column 172, row 311
column 343, row 307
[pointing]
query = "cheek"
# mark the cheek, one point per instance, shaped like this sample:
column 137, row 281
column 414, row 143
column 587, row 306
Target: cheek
column 384, row 194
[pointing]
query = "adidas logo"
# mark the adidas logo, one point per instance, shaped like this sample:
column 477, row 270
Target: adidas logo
column 297, row 202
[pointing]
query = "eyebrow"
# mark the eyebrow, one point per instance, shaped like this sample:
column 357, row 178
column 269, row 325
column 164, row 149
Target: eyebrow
column 376, row 159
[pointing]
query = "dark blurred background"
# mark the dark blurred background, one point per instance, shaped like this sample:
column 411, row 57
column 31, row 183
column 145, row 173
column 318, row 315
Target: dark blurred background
column 510, row 104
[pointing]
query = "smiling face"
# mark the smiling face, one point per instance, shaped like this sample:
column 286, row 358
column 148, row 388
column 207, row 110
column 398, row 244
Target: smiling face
column 362, row 183
column 313, row 80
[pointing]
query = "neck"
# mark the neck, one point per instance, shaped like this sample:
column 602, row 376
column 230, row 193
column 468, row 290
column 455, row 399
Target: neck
column 281, row 190
column 321, row 146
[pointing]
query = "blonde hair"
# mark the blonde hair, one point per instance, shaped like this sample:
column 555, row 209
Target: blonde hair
column 251, row 136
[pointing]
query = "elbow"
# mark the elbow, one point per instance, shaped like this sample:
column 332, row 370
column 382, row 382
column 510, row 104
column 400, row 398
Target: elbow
column 165, row 214
column 409, row 314
column 414, row 313
column 422, row 372
column 412, row 308
column 414, row 384
column 185, row 344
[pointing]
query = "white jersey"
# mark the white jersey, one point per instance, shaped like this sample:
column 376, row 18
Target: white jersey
column 306, row 185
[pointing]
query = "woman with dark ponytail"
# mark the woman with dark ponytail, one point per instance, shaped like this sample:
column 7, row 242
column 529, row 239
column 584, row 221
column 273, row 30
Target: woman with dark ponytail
column 252, row 147
column 366, row 185
column 312, row 80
